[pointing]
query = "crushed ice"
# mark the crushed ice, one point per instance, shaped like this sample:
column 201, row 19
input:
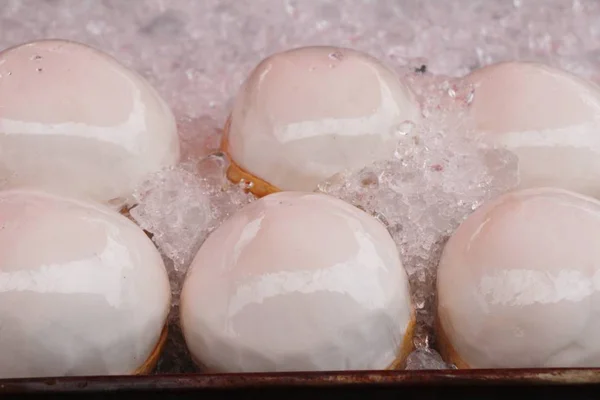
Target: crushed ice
column 180, row 206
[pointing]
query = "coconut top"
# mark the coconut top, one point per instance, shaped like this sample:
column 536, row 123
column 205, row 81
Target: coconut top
column 83, row 290
column 309, row 113
column 519, row 282
column 73, row 120
column 296, row 281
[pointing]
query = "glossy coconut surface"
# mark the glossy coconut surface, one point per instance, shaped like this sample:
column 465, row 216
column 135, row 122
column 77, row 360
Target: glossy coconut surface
column 83, row 291
column 75, row 121
column 519, row 283
column 548, row 117
column 296, row 281
column 306, row 114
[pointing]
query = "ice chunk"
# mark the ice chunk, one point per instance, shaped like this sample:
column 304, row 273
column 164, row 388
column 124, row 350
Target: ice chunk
column 180, row 206
column 421, row 359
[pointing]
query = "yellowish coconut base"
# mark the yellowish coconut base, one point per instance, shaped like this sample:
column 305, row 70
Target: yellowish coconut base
column 148, row 366
column 447, row 351
column 237, row 174
column 125, row 212
column 407, row 345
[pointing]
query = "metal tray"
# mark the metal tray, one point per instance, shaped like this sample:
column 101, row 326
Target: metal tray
column 564, row 384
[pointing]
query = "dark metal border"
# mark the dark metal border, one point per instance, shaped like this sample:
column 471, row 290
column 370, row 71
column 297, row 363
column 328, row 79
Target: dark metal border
column 315, row 380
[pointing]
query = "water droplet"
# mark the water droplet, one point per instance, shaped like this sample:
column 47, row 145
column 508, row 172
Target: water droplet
column 470, row 96
column 336, row 55
column 404, row 128
column 419, row 303
column 246, row 185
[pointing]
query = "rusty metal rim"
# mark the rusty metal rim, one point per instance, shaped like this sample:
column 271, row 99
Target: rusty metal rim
column 308, row 379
